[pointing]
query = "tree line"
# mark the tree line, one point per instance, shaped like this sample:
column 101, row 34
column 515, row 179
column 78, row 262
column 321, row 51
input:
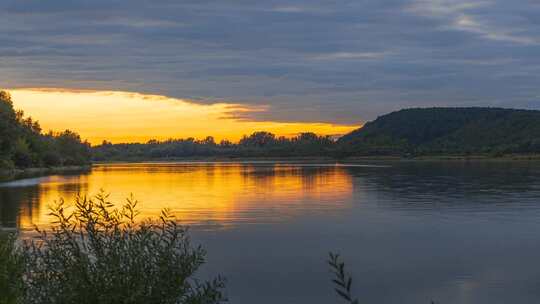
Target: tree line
column 409, row 132
column 258, row 144
column 23, row 145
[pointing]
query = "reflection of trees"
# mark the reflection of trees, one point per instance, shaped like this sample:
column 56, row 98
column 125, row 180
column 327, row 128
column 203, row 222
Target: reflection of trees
column 283, row 170
column 15, row 201
column 307, row 177
column 24, row 205
column 452, row 182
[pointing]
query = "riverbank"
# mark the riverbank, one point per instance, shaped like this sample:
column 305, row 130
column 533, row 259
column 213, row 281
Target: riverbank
column 218, row 159
column 327, row 159
column 509, row 157
column 7, row 175
column 15, row 174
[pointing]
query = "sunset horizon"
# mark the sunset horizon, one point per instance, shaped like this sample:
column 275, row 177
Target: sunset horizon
column 131, row 117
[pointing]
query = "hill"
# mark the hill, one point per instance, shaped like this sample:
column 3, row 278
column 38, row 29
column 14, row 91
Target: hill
column 431, row 131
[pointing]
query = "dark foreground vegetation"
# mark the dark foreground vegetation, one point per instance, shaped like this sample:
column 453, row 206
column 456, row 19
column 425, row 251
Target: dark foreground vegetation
column 98, row 254
column 11, row 271
column 23, row 145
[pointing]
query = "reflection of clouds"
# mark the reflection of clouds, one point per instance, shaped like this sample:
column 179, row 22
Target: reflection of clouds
column 206, row 194
column 477, row 185
column 225, row 193
column 434, row 254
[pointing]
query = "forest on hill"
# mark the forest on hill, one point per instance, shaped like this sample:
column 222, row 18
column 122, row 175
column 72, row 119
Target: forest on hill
column 448, row 131
column 23, row 145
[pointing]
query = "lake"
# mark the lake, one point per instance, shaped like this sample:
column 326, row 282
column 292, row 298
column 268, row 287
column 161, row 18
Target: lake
column 410, row 232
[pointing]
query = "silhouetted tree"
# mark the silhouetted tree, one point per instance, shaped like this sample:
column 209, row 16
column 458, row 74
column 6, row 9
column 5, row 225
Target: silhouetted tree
column 23, row 145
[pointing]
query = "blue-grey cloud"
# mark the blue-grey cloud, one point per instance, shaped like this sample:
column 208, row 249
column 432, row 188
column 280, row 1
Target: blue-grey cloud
column 341, row 62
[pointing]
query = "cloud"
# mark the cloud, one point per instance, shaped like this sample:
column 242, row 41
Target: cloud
column 446, row 7
column 343, row 62
column 131, row 117
column 460, row 15
column 350, row 56
column 469, row 23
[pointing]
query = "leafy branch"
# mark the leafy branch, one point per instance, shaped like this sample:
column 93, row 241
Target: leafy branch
column 342, row 280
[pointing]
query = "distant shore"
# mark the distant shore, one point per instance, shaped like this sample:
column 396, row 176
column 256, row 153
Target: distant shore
column 354, row 159
column 7, row 175
column 509, row 157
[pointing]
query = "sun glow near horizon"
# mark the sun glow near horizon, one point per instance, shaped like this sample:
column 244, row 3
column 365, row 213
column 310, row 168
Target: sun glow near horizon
column 133, row 117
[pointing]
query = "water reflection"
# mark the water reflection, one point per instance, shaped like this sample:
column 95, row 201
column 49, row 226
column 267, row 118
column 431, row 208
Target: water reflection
column 457, row 232
column 25, row 203
column 199, row 194
column 222, row 194
column 455, row 186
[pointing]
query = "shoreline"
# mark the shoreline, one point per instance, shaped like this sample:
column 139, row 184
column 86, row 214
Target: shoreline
column 352, row 159
column 8, row 175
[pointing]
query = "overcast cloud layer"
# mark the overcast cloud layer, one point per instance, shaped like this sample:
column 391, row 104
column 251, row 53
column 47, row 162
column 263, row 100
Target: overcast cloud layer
column 329, row 61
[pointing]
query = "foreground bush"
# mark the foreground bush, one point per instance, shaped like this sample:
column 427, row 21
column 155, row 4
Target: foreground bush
column 10, row 271
column 98, row 254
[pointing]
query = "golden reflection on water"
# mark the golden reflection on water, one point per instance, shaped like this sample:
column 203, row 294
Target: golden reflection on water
column 219, row 194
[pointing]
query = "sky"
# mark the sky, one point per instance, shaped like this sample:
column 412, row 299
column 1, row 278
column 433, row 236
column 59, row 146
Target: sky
column 306, row 61
column 121, row 117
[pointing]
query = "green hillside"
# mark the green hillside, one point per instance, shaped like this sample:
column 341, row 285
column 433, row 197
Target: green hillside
column 431, row 131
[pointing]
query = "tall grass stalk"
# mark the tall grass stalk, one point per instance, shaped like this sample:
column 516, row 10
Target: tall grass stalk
column 342, row 280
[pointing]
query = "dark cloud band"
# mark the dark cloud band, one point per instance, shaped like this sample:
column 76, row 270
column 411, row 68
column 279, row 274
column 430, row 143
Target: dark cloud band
column 307, row 60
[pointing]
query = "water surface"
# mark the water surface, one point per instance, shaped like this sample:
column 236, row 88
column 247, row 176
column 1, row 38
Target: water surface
column 455, row 232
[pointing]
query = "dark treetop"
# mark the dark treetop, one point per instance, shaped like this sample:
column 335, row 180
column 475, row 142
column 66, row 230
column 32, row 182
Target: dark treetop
column 22, row 144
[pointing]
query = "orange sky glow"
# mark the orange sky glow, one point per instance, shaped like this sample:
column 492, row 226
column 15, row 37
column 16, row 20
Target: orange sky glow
column 133, row 117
